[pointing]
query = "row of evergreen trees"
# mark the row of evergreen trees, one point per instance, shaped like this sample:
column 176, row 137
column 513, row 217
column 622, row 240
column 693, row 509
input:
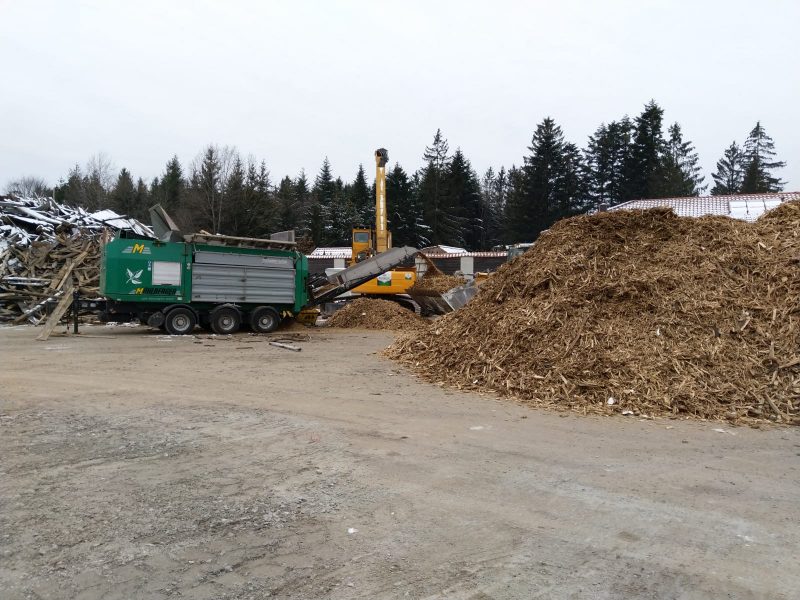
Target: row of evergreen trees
column 445, row 201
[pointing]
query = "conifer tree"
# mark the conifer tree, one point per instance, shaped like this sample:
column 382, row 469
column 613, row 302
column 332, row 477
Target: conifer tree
column 445, row 223
column 207, row 190
column 679, row 173
column 123, row 196
column 607, row 154
column 321, row 198
column 169, row 191
column 464, row 201
column 516, row 216
column 235, row 214
column 286, row 205
column 406, row 220
column 642, row 168
column 361, row 200
column 729, row 174
column 759, row 153
column 143, row 201
column 72, row 192
column 341, row 216
column 304, row 209
column 553, row 185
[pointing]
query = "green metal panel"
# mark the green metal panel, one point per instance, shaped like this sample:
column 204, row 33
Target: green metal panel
column 127, row 271
column 143, row 270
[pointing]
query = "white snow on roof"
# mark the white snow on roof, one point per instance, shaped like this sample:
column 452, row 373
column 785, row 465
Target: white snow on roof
column 747, row 207
column 332, row 252
column 442, row 249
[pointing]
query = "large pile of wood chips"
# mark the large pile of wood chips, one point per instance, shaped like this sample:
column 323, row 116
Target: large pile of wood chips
column 373, row 313
column 641, row 313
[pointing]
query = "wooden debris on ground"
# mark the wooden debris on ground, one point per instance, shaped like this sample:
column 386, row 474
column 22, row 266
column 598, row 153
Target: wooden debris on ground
column 639, row 313
column 42, row 245
column 375, row 313
column 285, row 346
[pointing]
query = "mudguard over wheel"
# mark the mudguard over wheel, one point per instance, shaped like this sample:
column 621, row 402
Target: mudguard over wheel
column 264, row 319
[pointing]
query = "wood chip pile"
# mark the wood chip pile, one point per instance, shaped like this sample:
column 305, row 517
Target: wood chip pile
column 42, row 244
column 438, row 283
column 373, row 313
column 637, row 313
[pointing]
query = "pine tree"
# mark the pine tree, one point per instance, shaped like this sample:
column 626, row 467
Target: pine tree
column 642, row 168
column 341, row 216
column 363, row 203
column 443, row 220
column 759, row 151
column 207, row 190
column 553, row 183
column 406, row 220
column 304, row 205
column 728, row 178
column 123, row 196
column 234, row 216
column 516, row 216
column 321, row 198
column 607, row 154
column 497, row 210
column 463, row 200
column 679, row 174
column 286, row 205
column 143, row 201
column 172, row 186
column 72, row 192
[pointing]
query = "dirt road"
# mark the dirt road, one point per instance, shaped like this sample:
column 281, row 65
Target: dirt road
column 137, row 465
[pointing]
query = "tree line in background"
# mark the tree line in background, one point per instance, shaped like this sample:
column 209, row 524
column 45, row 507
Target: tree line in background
column 444, row 202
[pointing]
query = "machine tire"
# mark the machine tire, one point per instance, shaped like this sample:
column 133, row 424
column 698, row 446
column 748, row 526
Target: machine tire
column 180, row 321
column 225, row 320
column 264, row 319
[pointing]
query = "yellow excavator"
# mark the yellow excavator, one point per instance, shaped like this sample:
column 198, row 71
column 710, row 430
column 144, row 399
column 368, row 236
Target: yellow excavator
column 369, row 242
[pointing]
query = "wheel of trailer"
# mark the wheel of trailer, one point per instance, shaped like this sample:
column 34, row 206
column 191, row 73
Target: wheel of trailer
column 180, row 321
column 264, row 319
column 225, row 320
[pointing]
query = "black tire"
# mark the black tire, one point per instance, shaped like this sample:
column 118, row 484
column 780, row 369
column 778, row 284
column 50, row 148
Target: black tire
column 180, row 321
column 264, row 319
column 225, row 320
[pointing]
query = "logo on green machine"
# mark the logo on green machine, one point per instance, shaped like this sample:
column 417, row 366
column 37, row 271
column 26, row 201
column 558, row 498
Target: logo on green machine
column 137, row 249
column 135, row 277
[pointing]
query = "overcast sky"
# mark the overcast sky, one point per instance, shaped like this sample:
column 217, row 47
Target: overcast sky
column 294, row 81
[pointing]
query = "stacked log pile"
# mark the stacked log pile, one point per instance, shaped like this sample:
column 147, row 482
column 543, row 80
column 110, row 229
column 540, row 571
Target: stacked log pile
column 635, row 313
column 42, row 245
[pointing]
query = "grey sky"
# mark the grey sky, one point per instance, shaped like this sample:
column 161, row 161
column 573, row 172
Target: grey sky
column 292, row 82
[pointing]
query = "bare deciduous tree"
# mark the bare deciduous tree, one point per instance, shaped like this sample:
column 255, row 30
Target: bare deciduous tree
column 29, row 186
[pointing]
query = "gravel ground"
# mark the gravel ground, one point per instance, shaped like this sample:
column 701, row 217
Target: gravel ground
column 138, row 465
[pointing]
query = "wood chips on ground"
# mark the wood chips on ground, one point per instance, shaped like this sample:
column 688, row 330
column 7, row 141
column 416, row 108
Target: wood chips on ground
column 374, row 313
column 635, row 312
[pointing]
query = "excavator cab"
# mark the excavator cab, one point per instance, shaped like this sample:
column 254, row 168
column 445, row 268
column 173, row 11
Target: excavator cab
column 363, row 246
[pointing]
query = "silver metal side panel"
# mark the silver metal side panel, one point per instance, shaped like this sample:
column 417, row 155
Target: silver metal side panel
column 257, row 285
column 243, row 260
